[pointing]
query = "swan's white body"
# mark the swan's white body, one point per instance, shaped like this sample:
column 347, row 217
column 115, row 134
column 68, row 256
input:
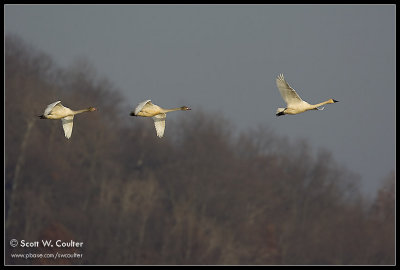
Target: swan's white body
column 295, row 104
column 140, row 106
column 57, row 111
column 148, row 109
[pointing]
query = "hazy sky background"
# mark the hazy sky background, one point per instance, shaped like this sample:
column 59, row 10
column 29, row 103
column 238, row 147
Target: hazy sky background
column 225, row 58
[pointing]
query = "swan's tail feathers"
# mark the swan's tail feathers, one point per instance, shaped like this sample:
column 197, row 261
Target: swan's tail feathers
column 280, row 111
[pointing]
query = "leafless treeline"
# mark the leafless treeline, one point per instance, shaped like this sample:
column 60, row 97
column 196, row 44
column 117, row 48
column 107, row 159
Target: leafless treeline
column 198, row 196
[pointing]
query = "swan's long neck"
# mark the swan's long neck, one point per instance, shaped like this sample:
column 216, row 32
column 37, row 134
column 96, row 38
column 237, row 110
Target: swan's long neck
column 171, row 110
column 322, row 103
column 80, row 111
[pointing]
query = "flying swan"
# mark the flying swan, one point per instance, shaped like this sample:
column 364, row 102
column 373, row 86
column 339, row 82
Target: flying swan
column 293, row 101
column 148, row 109
column 57, row 111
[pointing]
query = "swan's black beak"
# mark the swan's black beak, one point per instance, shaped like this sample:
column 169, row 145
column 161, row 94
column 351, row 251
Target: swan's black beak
column 334, row 100
column 132, row 114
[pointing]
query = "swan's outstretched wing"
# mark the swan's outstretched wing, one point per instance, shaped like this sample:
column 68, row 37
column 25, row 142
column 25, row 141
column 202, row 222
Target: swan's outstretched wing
column 50, row 107
column 159, row 123
column 288, row 94
column 68, row 123
column 140, row 106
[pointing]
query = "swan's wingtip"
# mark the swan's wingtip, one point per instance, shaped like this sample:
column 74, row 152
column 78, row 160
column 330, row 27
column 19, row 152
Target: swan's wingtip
column 281, row 77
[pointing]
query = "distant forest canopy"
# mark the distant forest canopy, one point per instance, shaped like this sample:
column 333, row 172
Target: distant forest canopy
column 197, row 196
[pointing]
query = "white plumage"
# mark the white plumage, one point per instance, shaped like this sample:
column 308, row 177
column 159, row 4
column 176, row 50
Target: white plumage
column 56, row 110
column 68, row 124
column 148, row 109
column 159, row 123
column 50, row 107
column 293, row 101
column 140, row 106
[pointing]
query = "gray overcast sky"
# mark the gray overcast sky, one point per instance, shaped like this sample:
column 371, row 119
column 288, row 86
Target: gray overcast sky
column 224, row 58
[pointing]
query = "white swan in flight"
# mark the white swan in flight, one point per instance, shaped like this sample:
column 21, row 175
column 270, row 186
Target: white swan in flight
column 294, row 103
column 148, row 109
column 57, row 111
